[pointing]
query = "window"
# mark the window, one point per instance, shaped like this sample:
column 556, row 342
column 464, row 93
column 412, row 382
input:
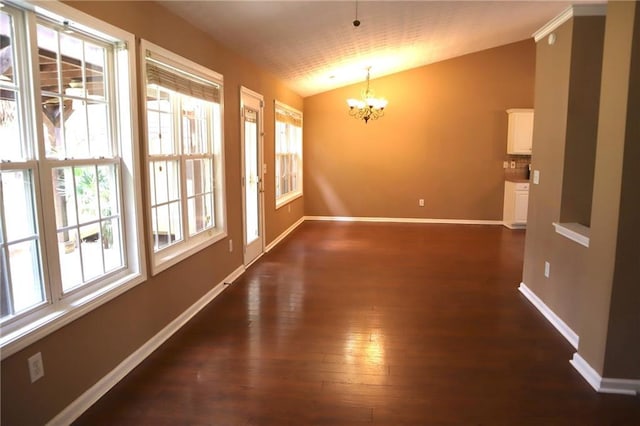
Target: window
column 288, row 154
column 68, row 210
column 185, row 155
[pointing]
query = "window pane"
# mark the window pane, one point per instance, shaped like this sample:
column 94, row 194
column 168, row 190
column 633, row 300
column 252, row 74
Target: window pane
column 79, row 107
column 107, row 184
column 160, row 182
column 26, row 282
column 69, row 253
column 210, row 203
column 159, row 122
column 99, row 140
column 157, row 243
column 93, row 192
column 192, row 204
column 112, row 244
column 216, row 119
column 176, row 220
column 72, row 53
column 64, row 197
column 152, row 182
column 13, row 147
column 94, row 57
column 21, row 284
column 10, row 135
column 7, row 72
column 48, row 58
column 198, row 175
column 91, row 250
column 54, row 113
column 86, row 193
column 153, row 132
column 76, row 130
column 194, row 126
column 199, row 210
column 161, row 234
column 5, row 289
column 173, row 180
column 18, row 205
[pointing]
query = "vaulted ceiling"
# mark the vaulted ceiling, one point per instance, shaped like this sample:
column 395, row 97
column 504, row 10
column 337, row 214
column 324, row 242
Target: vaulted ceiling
column 314, row 46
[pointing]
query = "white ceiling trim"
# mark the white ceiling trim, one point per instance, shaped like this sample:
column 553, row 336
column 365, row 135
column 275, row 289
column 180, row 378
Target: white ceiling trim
column 568, row 13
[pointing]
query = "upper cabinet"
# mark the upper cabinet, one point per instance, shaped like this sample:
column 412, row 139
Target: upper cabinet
column 520, row 134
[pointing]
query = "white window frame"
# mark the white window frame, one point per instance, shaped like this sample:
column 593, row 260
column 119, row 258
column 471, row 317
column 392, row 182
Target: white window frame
column 296, row 193
column 61, row 308
column 174, row 253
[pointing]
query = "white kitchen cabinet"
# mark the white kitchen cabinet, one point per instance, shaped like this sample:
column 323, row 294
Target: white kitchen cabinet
column 516, row 203
column 520, row 131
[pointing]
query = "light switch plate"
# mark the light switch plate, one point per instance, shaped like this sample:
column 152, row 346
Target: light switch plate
column 536, row 177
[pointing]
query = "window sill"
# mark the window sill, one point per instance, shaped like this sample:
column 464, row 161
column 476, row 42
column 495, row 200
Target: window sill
column 51, row 319
column 574, row 231
column 165, row 259
column 286, row 199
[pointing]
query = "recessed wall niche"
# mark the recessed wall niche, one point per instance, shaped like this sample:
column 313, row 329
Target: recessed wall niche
column 582, row 120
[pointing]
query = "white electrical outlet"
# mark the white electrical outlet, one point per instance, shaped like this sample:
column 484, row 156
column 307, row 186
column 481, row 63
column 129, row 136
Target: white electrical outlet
column 421, row 202
column 230, row 245
column 536, row 177
column 547, row 268
column 36, row 367
column 513, row 164
column 505, row 164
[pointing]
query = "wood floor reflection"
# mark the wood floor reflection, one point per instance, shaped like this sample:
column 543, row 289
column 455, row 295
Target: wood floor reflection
column 387, row 324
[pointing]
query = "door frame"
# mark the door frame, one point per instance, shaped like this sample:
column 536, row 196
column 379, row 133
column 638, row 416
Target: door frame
column 246, row 94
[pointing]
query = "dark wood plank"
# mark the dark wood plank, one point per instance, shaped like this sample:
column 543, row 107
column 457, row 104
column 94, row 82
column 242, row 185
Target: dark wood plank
column 368, row 323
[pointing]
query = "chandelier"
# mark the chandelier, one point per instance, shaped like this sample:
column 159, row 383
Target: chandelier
column 369, row 107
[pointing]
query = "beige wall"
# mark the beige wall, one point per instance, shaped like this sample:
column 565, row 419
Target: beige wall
column 443, row 139
column 594, row 290
column 614, row 262
column 562, row 106
column 78, row 355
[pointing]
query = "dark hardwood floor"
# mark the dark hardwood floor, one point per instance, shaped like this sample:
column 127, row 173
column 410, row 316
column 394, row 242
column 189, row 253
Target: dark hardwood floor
column 388, row 324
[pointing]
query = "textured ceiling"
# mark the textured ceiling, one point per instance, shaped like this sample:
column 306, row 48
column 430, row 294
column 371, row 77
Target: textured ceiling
column 313, row 46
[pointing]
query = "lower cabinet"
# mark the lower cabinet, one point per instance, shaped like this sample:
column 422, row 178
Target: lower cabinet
column 516, row 202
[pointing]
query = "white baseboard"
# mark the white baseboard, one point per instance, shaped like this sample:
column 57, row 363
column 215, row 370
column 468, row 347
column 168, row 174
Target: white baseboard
column 603, row 384
column 282, row 236
column 403, row 220
column 599, row 383
column 95, row 392
column 234, row 275
column 555, row 320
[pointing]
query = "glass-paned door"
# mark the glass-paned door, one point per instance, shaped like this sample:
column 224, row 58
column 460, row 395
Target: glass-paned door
column 252, row 182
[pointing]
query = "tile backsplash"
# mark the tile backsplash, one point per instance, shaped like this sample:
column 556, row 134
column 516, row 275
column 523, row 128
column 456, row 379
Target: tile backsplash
column 521, row 169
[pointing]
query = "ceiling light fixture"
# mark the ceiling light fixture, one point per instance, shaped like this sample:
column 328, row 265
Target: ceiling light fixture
column 356, row 22
column 369, row 107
